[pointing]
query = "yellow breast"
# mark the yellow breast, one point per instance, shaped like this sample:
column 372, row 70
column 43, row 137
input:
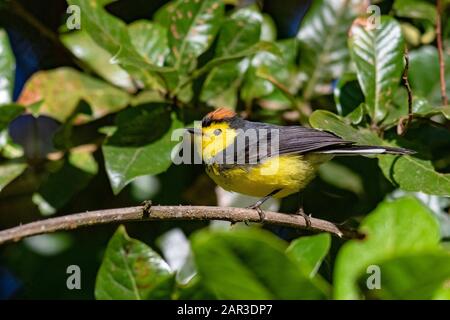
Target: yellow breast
column 289, row 173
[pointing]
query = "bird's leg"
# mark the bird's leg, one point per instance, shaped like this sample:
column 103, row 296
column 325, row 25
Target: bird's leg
column 146, row 208
column 302, row 213
column 305, row 216
column 257, row 205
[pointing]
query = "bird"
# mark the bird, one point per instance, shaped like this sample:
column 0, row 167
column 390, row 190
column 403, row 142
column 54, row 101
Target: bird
column 265, row 160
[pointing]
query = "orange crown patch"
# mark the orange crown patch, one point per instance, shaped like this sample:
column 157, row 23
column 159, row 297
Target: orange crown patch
column 220, row 114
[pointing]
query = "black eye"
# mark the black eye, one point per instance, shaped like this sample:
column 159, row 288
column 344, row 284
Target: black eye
column 217, row 132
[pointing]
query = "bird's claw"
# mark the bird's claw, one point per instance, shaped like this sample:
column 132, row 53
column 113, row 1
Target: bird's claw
column 305, row 216
column 233, row 223
column 262, row 215
column 147, row 205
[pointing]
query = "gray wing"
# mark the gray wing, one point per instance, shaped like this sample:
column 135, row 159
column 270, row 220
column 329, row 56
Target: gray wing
column 297, row 139
column 258, row 141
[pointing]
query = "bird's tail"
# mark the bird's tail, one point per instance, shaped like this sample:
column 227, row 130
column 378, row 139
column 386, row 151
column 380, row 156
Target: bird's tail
column 362, row 150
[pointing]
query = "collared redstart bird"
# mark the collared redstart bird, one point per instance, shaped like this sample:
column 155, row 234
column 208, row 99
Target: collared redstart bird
column 265, row 160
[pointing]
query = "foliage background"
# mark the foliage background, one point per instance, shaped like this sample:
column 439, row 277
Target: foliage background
column 81, row 133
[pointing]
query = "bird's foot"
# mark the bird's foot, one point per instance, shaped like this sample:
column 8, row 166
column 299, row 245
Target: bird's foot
column 146, row 208
column 305, row 216
column 233, row 223
column 256, row 206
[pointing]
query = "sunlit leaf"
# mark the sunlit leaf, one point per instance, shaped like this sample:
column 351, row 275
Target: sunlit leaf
column 415, row 9
column 424, row 74
column 414, row 276
column 150, row 40
column 112, row 35
column 62, row 89
column 329, row 121
column 323, row 41
column 414, row 174
column 132, row 271
column 310, row 251
column 141, row 145
column 88, row 51
column 239, row 32
column 9, row 171
column 409, row 172
column 7, row 69
column 263, row 66
column 193, row 27
column 268, row 28
column 378, row 55
column 246, row 264
column 394, row 229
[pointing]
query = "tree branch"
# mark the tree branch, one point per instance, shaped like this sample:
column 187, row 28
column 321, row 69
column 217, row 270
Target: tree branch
column 441, row 52
column 158, row 213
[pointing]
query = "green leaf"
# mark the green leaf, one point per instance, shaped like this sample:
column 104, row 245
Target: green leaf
column 341, row 177
column 378, row 56
column 268, row 28
column 222, row 83
column 141, row 145
column 132, row 271
column 193, row 27
column 98, row 59
column 261, row 46
column 323, row 41
column 62, row 89
column 112, row 35
column 415, row 174
column 414, row 277
column 309, row 252
column 420, row 107
column 398, row 169
column 348, row 95
column 239, row 37
column 238, row 33
column 79, row 169
column 424, row 109
column 394, row 229
column 7, row 69
column 263, row 66
column 150, row 40
column 443, row 293
column 164, row 14
column 328, row 121
column 415, row 9
column 8, row 148
column 194, row 290
column 9, row 171
column 249, row 264
column 288, row 49
column 423, row 74
column 8, row 113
